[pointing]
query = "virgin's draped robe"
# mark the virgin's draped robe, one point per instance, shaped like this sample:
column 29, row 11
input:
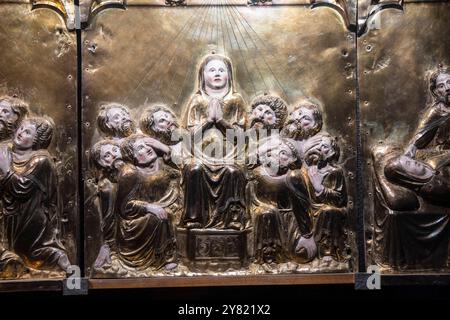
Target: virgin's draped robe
column 280, row 209
column 210, row 184
column 29, row 198
column 143, row 240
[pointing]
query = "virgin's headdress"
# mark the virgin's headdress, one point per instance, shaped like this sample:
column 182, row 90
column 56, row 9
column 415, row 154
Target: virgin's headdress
column 205, row 61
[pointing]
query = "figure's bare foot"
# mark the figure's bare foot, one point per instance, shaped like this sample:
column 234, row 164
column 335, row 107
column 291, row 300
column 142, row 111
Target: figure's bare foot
column 170, row 266
column 307, row 246
column 64, row 263
column 103, row 258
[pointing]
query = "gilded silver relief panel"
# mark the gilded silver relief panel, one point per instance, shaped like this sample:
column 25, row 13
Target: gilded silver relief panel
column 39, row 207
column 153, row 205
column 404, row 91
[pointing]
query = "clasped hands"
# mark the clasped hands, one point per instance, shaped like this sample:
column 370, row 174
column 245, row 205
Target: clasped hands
column 215, row 113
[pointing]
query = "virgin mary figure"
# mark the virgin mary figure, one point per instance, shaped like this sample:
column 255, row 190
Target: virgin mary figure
column 214, row 174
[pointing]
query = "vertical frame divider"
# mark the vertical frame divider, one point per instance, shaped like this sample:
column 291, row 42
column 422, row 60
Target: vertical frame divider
column 80, row 185
column 360, row 223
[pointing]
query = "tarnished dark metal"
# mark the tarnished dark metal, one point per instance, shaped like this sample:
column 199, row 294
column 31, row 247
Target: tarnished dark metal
column 38, row 167
column 404, row 105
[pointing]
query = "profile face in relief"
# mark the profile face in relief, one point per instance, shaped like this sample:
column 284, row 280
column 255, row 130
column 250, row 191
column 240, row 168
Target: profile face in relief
column 216, row 75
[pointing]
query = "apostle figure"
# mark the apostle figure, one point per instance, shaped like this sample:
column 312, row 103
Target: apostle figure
column 279, row 204
column 106, row 158
column 160, row 123
column 303, row 122
column 267, row 117
column 146, row 202
column 412, row 226
column 12, row 111
column 268, row 112
column 114, row 121
column 115, row 124
column 328, row 193
column 212, row 177
column 29, row 195
column 434, row 128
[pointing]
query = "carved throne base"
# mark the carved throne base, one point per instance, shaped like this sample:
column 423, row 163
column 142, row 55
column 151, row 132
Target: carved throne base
column 213, row 249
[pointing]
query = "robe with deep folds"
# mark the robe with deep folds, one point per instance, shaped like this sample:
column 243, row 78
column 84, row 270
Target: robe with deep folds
column 280, row 210
column 411, row 223
column 11, row 265
column 329, row 213
column 143, row 240
column 433, row 131
column 30, row 207
column 212, row 182
column 107, row 191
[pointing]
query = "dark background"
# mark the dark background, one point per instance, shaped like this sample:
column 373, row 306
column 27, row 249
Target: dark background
column 287, row 302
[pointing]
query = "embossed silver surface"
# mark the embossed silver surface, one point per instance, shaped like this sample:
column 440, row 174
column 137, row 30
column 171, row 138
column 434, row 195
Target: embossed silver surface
column 152, row 70
column 39, row 218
